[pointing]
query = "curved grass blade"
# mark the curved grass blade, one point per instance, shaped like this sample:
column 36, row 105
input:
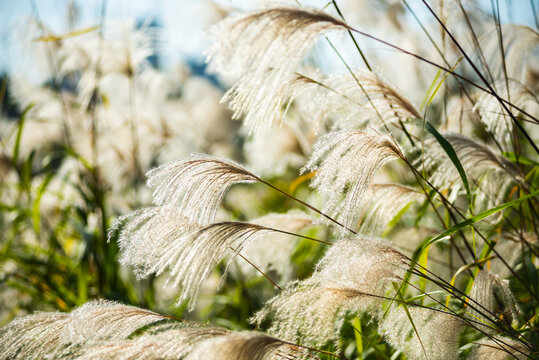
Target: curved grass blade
column 472, row 220
column 19, row 134
column 448, row 148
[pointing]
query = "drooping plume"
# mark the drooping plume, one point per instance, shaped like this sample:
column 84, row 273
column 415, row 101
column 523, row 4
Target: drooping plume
column 520, row 43
column 351, row 101
column 33, row 336
column 438, row 333
column 245, row 345
column 345, row 163
column 264, row 49
column 499, row 348
column 188, row 341
column 492, row 300
column 196, row 186
column 496, row 119
column 351, row 278
column 191, row 259
column 155, row 240
column 42, row 335
column 145, row 235
column 170, row 341
column 489, row 175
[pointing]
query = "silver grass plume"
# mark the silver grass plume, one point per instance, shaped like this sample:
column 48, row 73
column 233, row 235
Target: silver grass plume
column 520, row 45
column 264, row 49
column 154, row 240
column 188, row 341
column 345, row 163
column 499, row 348
column 373, row 102
column 192, row 258
column 495, row 299
column 195, row 186
column 438, row 333
column 489, row 174
column 145, row 235
column 42, row 335
column 167, row 341
column 274, row 252
column 389, row 102
column 381, row 203
column 245, row 345
column 496, row 118
column 378, row 97
column 352, row 277
column 33, row 336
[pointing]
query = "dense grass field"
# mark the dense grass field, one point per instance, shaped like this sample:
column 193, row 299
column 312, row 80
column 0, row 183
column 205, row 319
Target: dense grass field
column 358, row 180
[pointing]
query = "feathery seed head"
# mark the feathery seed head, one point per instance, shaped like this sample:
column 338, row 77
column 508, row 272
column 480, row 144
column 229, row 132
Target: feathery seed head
column 496, row 118
column 351, row 101
column 438, row 333
column 264, row 49
column 42, row 335
column 351, row 278
column 146, row 234
column 381, row 203
column 192, row 258
column 155, row 239
column 245, row 345
column 168, row 341
column 196, row 186
column 499, row 348
column 494, row 298
column 345, row 163
column 489, row 174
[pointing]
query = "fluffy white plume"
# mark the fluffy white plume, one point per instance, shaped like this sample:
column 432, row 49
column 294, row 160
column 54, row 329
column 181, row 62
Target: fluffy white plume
column 246, row 345
column 495, row 300
column 520, row 45
column 188, row 341
column 160, row 342
column 489, row 174
column 500, row 349
column 153, row 240
column 43, row 335
column 33, row 336
column 351, row 101
column 192, row 258
column 496, row 118
column 438, row 333
column 345, row 163
column 196, row 186
column 350, row 278
column 264, row 49
column 144, row 236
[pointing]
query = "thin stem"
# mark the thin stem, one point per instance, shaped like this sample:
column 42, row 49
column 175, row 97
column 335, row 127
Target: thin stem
column 478, row 72
column 352, row 36
column 307, row 205
column 463, row 78
column 258, row 269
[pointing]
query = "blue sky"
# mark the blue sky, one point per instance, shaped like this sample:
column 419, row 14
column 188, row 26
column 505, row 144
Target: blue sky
column 183, row 22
